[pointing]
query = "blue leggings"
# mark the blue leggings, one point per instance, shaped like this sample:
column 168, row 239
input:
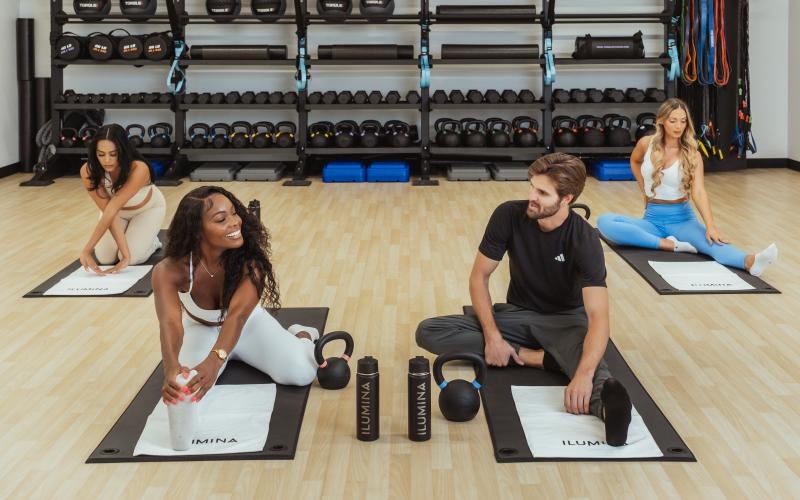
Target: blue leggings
column 662, row 220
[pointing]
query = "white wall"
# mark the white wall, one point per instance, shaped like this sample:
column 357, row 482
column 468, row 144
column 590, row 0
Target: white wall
column 9, row 134
column 794, row 82
column 769, row 75
column 769, row 60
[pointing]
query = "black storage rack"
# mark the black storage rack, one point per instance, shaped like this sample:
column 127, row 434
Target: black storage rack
column 425, row 151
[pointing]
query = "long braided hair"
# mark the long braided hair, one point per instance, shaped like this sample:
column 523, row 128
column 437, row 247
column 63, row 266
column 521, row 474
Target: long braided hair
column 253, row 257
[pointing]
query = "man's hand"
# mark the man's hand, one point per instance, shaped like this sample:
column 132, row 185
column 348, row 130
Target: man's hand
column 577, row 395
column 498, row 351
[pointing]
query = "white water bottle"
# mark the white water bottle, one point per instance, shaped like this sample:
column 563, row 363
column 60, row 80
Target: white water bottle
column 183, row 418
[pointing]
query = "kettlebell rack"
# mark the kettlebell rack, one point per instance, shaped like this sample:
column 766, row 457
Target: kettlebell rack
column 424, row 150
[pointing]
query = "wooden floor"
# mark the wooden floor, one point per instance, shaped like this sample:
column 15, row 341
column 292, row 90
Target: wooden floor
column 725, row 369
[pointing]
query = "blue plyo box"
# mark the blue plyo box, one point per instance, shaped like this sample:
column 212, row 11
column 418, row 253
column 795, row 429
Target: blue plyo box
column 612, row 170
column 388, row 171
column 344, row 171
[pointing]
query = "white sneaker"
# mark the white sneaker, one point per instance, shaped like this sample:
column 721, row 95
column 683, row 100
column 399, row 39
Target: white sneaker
column 157, row 245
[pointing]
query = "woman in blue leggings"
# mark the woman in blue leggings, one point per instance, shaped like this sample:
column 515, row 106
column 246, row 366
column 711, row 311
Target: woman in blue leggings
column 669, row 170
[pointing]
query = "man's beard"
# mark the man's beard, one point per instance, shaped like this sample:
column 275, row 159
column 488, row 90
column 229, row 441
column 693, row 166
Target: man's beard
column 542, row 212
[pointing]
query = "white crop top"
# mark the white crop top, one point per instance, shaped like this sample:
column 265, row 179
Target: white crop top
column 670, row 188
column 135, row 200
column 207, row 315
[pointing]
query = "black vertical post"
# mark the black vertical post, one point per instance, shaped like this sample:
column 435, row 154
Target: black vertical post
column 301, row 78
column 547, row 20
column 424, row 101
column 27, row 93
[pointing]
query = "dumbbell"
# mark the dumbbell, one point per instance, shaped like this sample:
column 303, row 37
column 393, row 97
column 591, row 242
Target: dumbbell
column 233, row 97
column 217, row 98
column 163, row 98
column 290, row 97
column 151, row 97
column 84, row 98
column 315, row 97
column 474, row 96
column 375, row 97
column 492, row 96
column 329, row 97
column 439, row 97
column 655, row 95
column 634, row 95
column 360, row 97
column 560, row 96
column 456, row 96
column 204, row 98
column 262, row 98
column 577, row 95
column 344, row 97
column 594, row 95
column 526, row 96
column 509, row 96
column 248, row 97
column 613, row 95
column 412, row 97
column 392, row 97
column 189, row 98
column 275, row 97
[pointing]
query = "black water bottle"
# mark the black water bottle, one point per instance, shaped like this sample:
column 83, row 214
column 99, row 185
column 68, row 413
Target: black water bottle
column 367, row 399
column 255, row 208
column 419, row 399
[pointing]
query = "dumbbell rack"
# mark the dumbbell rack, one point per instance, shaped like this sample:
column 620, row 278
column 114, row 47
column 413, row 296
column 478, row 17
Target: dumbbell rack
column 425, row 151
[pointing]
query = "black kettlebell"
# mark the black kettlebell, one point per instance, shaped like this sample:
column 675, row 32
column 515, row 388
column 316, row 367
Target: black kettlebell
column 591, row 133
column 240, row 134
column 160, row 135
column 198, row 135
column 526, row 131
column 370, row 133
column 565, row 131
column 618, row 131
column 498, row 133
column 135, row 139
column 473, row 133
column 284, row 134
column 398, row 133
column 459, row 400
column 347, row 134
column 334, row 373
column 219, row 135
column 448, row 132
column 262, row 133
column 87, row 134
column 320, row 134
column 69, row 137
column 645, row 125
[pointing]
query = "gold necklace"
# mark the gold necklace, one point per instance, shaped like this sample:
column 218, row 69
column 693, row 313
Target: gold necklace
column 204, row 267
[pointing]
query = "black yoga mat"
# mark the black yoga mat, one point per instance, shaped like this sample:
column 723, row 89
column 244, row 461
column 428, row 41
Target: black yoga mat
column 142, row 288
column 284, row 426
column 508, row 438
column 638, row 257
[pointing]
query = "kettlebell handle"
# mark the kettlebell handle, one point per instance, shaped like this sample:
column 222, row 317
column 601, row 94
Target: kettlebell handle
column 268, row 127
column 161, row 127
column 135, row 126
column 246, row 127
column 477, row 361
column 286, row 127
column 226, row 130
column 338, row 335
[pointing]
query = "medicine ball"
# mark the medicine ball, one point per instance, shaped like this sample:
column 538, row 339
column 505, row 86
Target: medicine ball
column 100, row 46
column 69, row 46
column 93, row 7
column 129, row 47
column 138, row 8
column 333, row 9
column 157, row 46
column 223, row 8
column 376, row 9
column 268, row 10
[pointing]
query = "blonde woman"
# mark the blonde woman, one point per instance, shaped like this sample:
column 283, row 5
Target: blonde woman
column 669, row 170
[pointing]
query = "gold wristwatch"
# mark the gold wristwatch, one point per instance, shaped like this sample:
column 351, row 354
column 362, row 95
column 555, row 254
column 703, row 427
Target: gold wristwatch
column 221, row 353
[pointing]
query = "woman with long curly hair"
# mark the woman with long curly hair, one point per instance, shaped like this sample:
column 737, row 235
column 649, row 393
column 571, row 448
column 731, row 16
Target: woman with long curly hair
column 669, row 170
column 211, row 293
column 120, row 182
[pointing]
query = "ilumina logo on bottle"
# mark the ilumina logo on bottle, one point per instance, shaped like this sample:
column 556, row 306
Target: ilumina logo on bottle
column 214, row 440
column 422, row 421
column 365, row 418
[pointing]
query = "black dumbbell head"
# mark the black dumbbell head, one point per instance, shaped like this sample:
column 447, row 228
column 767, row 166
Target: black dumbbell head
column 412, row 97
column 439, row 97
column 344, row 97
column 375, row 97
column 509, row 96
column 315, row 97
column 393, row 97
column 526, row 96
column 275, row 97
column 329, row 97
column 360, row 97
column 492, row 96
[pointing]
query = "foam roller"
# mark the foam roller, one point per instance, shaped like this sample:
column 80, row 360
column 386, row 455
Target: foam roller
column 481, row 12
column 238, row 52
column 365, row 52
column 458, row 51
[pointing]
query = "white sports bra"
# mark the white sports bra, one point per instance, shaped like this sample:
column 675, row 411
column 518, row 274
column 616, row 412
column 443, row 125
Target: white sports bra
column 191, row 307
column 670, row 187
column 137, row 201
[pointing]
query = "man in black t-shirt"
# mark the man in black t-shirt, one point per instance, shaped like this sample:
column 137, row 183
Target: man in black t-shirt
column 556, row 315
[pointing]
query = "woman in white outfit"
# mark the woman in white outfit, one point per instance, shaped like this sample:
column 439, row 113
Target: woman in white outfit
column 132, row 209
column 211, row 291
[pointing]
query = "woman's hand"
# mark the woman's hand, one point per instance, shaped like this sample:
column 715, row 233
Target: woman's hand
column 713, row 236
column 206, row 377
column 88, row 262
column 171, row 391
column 122, row 264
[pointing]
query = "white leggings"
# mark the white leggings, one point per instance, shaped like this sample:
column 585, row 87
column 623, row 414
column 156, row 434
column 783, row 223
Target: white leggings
column 263, row 344
column 141, row 227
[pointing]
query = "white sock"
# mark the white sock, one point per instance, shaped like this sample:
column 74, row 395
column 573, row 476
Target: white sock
column 183, row 418
column 682, row 246
column 763, row 259
column 295, row 329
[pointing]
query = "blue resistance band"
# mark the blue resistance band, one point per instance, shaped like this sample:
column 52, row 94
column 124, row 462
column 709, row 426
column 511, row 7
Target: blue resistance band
column 176, row 78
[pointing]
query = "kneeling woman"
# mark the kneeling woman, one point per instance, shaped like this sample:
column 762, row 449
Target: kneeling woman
column 209, row 291
column 120, row 183
column 669, row 170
